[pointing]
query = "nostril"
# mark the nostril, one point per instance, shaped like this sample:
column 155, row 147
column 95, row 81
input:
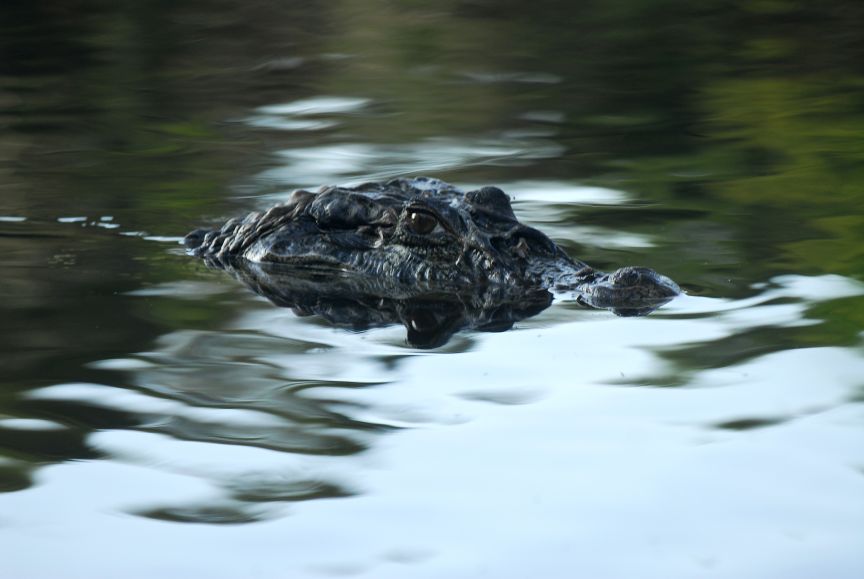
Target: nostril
column 627, row 276
column 646, row 280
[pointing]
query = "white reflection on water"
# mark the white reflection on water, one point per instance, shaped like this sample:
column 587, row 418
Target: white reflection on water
column 541, row 194
column 534, row 452
column 295, row 116
column 316, row 106
column 343, row 163
column 29, row 424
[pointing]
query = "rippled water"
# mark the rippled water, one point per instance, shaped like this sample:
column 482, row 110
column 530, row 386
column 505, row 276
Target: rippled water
column 157, row 417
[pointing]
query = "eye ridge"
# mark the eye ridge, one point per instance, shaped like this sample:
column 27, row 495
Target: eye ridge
column 421, row 222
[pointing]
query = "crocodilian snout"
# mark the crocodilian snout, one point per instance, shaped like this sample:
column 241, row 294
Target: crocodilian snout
column 630, row 291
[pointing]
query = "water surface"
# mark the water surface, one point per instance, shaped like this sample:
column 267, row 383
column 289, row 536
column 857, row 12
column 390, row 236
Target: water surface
column 157, row 417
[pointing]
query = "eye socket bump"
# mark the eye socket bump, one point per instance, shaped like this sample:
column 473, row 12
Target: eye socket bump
column 421, row 223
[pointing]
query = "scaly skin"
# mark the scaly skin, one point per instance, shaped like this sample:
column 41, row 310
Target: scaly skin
column 415, row 237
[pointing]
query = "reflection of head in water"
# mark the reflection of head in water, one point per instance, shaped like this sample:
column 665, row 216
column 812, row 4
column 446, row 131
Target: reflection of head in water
column 355, row 302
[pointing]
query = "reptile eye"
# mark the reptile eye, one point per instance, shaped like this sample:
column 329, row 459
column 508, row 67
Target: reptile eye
column 421, row 223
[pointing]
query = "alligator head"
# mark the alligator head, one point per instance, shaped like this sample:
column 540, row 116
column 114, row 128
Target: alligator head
column 418, row 237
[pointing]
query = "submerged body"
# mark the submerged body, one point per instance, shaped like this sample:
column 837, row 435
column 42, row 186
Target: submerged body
column 406, row 238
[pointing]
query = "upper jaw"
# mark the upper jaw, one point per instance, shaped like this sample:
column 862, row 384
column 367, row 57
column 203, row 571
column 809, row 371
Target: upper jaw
column 628, row 291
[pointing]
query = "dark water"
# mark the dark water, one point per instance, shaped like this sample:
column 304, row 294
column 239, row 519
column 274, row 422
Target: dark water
column 158, row 418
